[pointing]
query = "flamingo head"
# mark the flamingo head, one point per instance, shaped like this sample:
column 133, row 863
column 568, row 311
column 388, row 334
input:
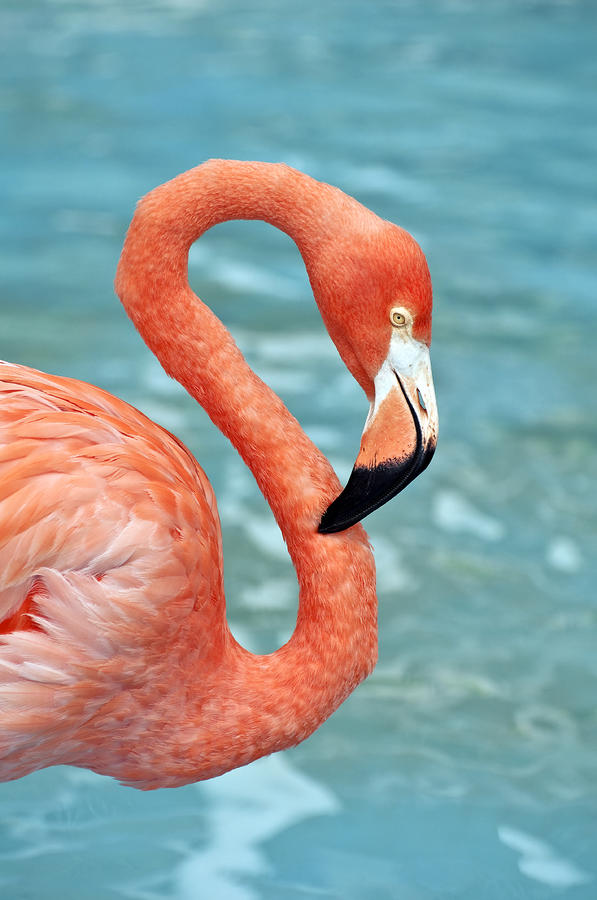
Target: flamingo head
column 373, row 289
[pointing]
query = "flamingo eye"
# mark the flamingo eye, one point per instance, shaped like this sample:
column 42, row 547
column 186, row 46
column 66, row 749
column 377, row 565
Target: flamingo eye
column 397, row 317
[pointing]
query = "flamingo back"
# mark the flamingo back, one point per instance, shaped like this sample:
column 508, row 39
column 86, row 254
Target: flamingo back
column 110, row 562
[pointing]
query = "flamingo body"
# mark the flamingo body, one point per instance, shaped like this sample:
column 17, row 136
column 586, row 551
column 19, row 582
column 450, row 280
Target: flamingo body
column 110, row 551
column 115, row 653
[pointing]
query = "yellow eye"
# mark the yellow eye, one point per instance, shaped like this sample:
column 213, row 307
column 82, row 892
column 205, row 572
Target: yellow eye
column 397, row 318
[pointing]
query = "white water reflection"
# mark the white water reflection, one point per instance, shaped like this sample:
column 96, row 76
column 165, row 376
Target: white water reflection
column 246, row 808
column 538, row 860
column 453, row 512
column 563, row 554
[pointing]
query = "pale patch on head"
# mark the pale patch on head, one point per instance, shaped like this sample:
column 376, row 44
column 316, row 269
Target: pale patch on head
column 408, row 362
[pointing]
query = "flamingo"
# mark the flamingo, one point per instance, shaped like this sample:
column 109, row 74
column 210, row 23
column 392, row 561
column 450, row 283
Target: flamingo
column 115, row 653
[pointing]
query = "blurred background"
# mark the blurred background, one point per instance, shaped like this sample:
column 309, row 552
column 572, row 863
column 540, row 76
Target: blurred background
column 466, row 766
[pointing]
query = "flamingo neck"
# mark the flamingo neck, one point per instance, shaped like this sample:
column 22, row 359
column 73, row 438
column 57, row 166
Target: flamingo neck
column 334, row 644
column 193, row 345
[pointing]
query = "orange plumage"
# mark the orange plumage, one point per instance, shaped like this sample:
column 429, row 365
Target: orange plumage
column 115, row 653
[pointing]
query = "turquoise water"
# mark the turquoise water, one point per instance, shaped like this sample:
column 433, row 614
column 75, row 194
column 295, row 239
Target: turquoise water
column 466, row 766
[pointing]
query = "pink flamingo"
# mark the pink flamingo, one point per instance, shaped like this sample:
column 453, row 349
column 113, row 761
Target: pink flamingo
column 115, row 653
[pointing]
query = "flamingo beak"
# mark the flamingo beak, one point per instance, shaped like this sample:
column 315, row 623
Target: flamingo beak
column 399, row 437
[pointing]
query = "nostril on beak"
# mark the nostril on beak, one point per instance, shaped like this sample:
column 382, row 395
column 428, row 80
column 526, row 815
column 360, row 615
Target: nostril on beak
column 421, row 401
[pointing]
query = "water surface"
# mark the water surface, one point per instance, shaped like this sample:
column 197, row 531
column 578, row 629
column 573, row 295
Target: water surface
column 466, row 766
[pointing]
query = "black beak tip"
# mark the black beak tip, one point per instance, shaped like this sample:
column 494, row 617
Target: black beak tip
column 365, row 490
column 368, row 489
column 330, row 524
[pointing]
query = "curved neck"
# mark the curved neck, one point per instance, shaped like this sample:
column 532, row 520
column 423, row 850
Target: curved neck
column 334, row 645
column 196, row 349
